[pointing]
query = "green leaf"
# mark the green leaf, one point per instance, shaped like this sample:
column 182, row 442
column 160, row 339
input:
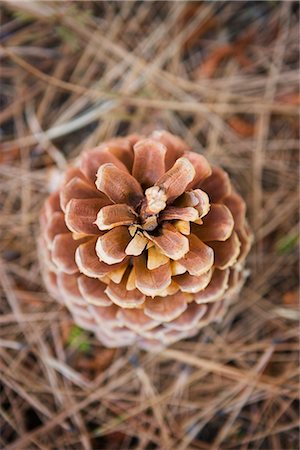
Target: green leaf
column 68, row 37
column 84, row 347
column 78, row 339
column 23, row 16
column 287, row 244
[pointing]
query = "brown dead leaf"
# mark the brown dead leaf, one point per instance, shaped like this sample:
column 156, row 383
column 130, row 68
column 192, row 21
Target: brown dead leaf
column 241, row 126
column 291, row 297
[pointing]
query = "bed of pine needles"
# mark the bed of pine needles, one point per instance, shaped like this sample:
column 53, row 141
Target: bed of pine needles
column 222, row 75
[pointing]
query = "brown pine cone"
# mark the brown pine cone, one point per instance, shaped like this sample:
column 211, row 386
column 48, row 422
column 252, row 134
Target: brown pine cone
column 144, row 242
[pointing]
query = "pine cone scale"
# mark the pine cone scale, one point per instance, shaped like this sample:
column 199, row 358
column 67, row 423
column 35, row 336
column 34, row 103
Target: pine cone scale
column 149, row 162
column 200, row 257
column 119, row 186
column 111, row 216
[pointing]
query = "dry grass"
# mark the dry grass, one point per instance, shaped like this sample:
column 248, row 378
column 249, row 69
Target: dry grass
column 223, row 75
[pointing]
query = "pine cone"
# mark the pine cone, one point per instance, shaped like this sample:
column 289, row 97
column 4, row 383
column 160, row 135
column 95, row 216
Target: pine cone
column 144, row 242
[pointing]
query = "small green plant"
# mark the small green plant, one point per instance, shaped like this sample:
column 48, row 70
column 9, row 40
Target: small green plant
column 78, row 339
column 68, row 37
column 23, row 16
column 287, row 244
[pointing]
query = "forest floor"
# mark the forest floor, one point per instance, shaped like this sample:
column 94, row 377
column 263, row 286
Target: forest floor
column 223, row 76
